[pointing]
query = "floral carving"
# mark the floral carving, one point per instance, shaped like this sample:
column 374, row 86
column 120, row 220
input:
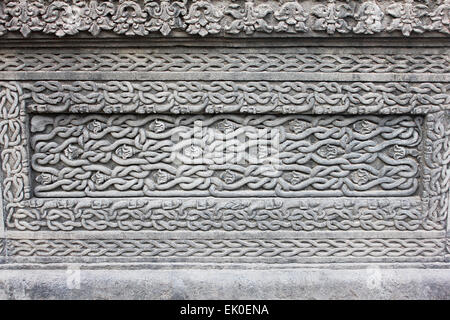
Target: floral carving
column 249, row 18
column 125, row 152
column 203, row 18
column 226, row 126
column 364, row 127
column 407, row 17
column 96, row 126
column 72, row 152
column 193, row 152
column 292, row 18
column 369, row 17
column 99, row 178
column 298, row 126
column 157, row 126
column 329, row 151
column 398, row 152
column 62, row 19
column 25, row 16
column 360, row 177
column 229, row 177
column 440, row 18
column 130, row 19
column 46, row 178
column 161, row 177
column 331, row 17
column 165, row 16
column 3, row 18
column 297, row 177
column 97, row 17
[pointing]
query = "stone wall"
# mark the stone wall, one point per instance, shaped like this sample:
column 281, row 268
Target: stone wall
column 295, row 134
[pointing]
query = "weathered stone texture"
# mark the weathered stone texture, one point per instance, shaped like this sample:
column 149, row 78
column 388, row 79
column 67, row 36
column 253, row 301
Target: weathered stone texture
column 196, row 283
column 226, row 132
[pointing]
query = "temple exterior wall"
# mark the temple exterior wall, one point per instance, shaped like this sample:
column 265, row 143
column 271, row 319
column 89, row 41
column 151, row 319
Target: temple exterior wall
column 185, row 149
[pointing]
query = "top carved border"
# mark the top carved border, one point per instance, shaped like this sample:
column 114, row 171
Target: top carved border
column 225, row 18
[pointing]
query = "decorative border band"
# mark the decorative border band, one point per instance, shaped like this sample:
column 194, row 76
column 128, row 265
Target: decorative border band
column 234, row 249
column 296, row 61
column 21, row 210
column 2, row 247
column 430, row 100
column 211, row 17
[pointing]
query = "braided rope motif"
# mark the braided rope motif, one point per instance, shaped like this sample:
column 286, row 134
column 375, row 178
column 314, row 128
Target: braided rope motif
column 211, row 17
column 225, row 62
column 237, row 97
column 13, row 147
column 436, row 166
column 2, row 247
column 13, row 143
column 286, row 248
column 448, row 246
column 216, row 214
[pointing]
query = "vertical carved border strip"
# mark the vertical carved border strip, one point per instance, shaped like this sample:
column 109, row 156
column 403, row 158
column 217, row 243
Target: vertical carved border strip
column 2, row 220
column 446, row 159
column 436, row 170
column 2, row 249
column 13, row 148
column 2, row 223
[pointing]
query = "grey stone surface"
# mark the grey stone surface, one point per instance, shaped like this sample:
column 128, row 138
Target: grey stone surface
column 193, row 283
column 302, row 144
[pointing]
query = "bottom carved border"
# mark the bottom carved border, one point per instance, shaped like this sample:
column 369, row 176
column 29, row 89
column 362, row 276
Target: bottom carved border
column 231, row 250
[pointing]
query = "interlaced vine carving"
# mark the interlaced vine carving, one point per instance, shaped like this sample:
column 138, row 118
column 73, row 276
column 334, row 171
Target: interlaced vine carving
column 237, row 97
column 339, row 156
column 226, row 62
column 13, row 142
column 228, row 215
column 436, row 169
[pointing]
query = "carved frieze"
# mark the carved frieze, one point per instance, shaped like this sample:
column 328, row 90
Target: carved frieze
column 241, row 60
column 211, row 17
column 206, row 214
column 238, row 154
column 178, row 97
column 253, row 250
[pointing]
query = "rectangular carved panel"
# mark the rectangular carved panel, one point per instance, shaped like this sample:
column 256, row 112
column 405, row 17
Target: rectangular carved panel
column 242, row 154
column 225, row 155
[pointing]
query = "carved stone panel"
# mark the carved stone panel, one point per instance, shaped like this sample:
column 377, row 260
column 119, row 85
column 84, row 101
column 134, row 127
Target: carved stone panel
column 275, row 132
column 215, row 17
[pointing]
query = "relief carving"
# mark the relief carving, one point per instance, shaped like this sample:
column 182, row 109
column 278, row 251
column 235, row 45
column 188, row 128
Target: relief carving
column 291, row 152
column 211, row 17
